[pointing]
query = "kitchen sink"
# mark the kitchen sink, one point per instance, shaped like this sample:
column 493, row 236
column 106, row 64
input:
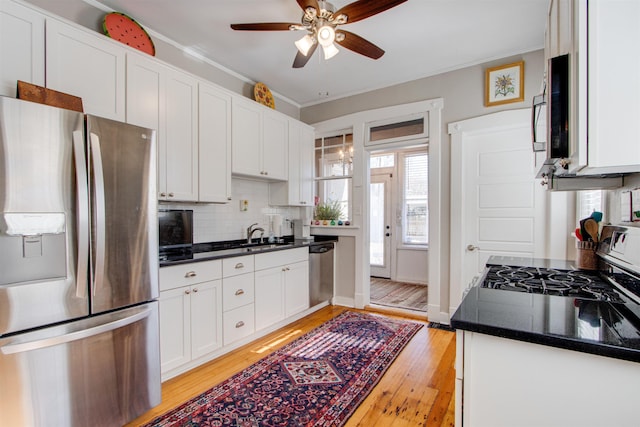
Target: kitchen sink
column 257, row 247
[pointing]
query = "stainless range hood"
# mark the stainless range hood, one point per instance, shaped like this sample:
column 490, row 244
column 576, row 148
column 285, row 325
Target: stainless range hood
column 555, row 178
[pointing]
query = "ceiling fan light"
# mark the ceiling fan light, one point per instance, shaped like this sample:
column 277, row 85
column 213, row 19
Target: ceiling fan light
column 326, row 35
column 330, row 51
column 305, row 44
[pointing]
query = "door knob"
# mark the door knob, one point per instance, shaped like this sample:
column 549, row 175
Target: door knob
column 472, row 248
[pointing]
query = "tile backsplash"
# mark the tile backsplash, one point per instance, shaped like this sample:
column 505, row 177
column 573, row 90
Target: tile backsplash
column 218, row 222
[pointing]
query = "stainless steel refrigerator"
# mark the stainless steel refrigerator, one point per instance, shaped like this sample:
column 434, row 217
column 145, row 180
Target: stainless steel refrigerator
column 79, row 334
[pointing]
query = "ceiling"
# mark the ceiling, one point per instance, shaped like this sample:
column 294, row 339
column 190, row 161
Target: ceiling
column 421, row 38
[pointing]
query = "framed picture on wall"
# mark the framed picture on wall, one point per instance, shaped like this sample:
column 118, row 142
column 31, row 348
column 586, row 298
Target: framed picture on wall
column 504, row 84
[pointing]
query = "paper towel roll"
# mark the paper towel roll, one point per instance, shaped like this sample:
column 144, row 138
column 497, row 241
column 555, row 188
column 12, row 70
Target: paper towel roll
column 276, row 225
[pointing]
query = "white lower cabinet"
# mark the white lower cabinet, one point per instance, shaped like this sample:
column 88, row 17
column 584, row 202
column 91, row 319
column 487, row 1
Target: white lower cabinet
column 238, row 298
column 281, row 285
column 190, row 313
column 206, row 307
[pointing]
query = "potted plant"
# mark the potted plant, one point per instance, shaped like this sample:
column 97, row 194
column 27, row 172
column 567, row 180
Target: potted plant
column 328, row 211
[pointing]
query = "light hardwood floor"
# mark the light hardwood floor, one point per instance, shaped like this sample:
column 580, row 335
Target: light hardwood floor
column 417, row 389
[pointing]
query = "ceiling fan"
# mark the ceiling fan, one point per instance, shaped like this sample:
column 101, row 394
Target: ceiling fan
column 320, row 20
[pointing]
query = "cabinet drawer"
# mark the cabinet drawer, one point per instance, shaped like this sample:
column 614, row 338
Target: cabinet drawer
column 176, row 276
column 237, row 265
column 237, row 291
column 238, row 323
column 283, row 257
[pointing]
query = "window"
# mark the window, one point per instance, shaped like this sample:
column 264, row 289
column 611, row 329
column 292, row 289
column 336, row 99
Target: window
column 379, row 161
column 415, row 224
column 334, row 169
column 589, row 201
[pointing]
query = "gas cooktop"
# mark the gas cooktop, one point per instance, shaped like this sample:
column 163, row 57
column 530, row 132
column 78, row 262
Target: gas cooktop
column 549, row 281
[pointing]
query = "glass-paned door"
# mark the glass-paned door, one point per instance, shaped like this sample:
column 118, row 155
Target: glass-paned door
column 380, row 227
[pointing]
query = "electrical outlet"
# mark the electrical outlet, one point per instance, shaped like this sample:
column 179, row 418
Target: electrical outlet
column 244, row 205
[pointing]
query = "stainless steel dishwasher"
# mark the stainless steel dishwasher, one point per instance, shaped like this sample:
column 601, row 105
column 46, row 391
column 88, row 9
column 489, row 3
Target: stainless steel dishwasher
column 320, row 272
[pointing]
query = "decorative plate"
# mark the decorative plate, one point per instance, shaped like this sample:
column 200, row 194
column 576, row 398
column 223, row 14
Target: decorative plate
column 126, row 30
column 262, row 94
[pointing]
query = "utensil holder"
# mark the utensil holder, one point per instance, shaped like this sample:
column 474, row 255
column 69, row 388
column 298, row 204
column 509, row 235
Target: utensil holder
column 586, row 258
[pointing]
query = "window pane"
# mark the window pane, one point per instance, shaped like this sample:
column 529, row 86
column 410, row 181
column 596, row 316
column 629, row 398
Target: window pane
column 397, row 130
column 588, row 202
column 416, row 211
column 336, row 190
column 382, row 161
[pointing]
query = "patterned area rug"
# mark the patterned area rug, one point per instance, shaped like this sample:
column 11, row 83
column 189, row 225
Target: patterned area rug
column 317, row 380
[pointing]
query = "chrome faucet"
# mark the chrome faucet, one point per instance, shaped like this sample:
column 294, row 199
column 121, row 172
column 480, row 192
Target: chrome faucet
column 251, row 230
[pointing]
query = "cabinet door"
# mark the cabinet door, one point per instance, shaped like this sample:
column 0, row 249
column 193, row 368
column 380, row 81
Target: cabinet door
column 307, row 158
column 21, row 47
column 145, row 105
column 206, row 318
column 246, row 139
column 275, row 145
column 86, row 65
column 269, row 301
column 175, row 337
column 296, row 290
column 214, row 145
column 613, row 98
column 181, row 107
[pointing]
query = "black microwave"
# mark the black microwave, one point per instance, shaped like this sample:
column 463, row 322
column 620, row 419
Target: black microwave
column 558, row 108
column 175, row 229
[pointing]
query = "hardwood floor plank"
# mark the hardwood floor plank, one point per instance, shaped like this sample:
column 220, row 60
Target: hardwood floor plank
column 416, row 390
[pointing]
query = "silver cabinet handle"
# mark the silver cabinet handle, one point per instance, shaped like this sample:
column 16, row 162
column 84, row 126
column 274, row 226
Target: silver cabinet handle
column 190, row 274
column 239, row 265
column 240, row 324
column 472, row 248
column 187, row 291
column 163, row 194
column 240, row 292
column 195, row 289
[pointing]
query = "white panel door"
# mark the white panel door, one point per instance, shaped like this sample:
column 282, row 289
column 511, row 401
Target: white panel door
column 246, row 139
column 175, row 328
column 269, row 303
column 498, row 207
column 296, row 288
column 21, row 47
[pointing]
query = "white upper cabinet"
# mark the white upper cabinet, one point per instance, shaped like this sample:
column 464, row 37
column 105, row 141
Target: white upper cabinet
column 82, row 63
column 165, row 99
column 21, row 47
column 601, row 38
column 298, row 190
column 214, row 144
column 260, row 141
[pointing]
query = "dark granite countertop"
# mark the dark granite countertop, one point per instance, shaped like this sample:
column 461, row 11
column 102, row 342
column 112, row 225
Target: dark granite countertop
column 597, row 327
column 227, row 249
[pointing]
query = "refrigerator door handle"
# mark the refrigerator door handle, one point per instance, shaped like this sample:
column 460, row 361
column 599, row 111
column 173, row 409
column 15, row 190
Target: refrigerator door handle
column 21, row 347
column 82, row 215
column 100, row 212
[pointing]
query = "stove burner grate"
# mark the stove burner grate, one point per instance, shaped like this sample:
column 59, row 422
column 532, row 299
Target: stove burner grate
column 570, row 283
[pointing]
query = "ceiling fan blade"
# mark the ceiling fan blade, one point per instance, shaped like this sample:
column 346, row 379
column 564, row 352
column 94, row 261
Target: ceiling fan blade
column 359, row 45
column 301, row 60
column 304, row 4
column 359, row 10
column 263, row 26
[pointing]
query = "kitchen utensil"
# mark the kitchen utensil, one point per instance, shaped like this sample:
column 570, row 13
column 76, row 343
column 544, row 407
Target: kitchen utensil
column 597, row 216
column 591, row 226
column 578, row 234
